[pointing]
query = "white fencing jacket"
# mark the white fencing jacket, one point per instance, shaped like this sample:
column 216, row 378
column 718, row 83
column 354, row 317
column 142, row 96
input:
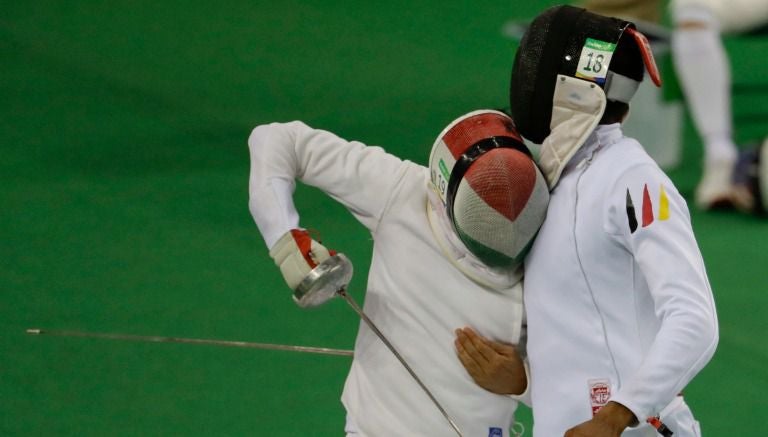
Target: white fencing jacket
column 615, row 291
column 415, row 295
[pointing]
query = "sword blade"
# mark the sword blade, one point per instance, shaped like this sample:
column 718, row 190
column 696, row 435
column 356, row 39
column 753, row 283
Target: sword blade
column 162, row 339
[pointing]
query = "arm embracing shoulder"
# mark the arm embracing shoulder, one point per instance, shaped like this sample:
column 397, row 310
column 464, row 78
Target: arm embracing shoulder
column 358, row 176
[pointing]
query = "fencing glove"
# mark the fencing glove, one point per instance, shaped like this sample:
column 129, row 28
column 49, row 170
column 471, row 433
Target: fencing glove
column 296, row 253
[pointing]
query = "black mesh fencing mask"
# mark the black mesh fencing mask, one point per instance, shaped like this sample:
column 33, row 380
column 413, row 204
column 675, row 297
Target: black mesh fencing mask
column 570, row 41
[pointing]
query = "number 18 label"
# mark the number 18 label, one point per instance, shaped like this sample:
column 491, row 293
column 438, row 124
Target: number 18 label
column 594, row 60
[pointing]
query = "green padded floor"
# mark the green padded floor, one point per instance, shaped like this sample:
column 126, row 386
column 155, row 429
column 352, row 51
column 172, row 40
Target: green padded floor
column 124, row 172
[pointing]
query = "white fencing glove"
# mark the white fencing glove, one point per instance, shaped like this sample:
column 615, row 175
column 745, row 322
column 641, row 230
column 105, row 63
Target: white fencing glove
column 297, row 253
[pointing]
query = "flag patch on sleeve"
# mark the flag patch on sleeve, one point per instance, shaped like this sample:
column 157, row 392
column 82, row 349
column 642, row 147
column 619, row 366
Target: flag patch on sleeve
column 650, row 211
column 647, row 207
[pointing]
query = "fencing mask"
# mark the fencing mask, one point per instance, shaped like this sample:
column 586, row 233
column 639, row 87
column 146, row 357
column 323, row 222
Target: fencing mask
column 492, row 192
column 570, row 41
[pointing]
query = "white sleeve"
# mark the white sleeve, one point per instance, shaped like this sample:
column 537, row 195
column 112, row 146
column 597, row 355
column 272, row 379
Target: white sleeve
column 668, row 257
column 360, row 177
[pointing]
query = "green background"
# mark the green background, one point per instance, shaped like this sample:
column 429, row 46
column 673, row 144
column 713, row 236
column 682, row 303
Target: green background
column 124, row 200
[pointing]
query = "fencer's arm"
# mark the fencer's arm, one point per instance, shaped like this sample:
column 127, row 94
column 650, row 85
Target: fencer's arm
column 670, row 261
column 358, row 176
column 272, row 181
column 610, row 421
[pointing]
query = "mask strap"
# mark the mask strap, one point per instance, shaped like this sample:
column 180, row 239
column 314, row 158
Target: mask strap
column 648, row 59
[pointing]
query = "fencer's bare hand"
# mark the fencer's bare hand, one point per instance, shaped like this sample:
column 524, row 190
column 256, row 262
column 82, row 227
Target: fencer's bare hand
column 610, row 421
column 496, row 367
column 593, row 428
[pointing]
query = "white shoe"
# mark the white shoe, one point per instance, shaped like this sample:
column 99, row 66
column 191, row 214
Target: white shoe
column 715, row 189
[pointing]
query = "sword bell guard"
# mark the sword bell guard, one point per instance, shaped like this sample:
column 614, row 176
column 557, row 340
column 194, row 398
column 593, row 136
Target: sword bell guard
column 322, row 283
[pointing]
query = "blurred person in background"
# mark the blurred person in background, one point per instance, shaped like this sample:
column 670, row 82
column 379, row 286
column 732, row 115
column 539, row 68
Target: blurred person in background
column 704, row 72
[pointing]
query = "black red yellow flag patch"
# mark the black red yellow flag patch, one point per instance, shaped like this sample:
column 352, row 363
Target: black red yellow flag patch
column 647, row 212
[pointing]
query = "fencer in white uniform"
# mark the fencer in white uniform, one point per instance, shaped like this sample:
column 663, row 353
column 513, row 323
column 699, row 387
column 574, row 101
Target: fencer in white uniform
column 423, row 281
column 617, row 297
column 620, row 312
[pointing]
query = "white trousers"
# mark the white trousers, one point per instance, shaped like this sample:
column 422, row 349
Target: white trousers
column 733, row 16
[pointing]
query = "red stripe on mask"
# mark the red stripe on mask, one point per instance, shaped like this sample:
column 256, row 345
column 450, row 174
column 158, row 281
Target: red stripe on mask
column 479, row 127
